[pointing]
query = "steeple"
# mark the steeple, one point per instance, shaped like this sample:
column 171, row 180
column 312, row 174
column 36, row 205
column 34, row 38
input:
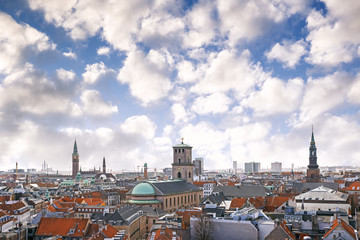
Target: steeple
column 75, row 161
column 312, row 152
column 75, row 152
column 313, row 171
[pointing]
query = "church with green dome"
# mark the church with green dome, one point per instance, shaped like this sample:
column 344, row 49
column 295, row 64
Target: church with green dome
column 173, row 194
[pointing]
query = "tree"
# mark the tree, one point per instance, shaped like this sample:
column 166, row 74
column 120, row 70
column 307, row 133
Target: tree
column 203, row 228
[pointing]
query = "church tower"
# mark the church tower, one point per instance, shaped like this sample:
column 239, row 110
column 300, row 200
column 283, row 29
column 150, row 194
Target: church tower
column 75, row 161
column 313, row 171
column 182, row 166
column 104, row 166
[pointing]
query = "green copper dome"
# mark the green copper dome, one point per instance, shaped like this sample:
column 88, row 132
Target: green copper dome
column 143, row 189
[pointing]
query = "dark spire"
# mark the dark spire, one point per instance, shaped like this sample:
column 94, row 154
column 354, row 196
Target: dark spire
column 312, row 152
column 312, row 136
column 75, row 149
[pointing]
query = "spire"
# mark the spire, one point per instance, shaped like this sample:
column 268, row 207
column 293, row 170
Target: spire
column 312, row 136
column 75, row 149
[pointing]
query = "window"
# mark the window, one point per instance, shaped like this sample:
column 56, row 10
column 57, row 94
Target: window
column 182, row 150
column 165, row 202
column 182, row 200
column 174, row 201
column 189, row 175
column 179, row 159
column 178, row 200
column 175, row 150
column 170, row 202
column 179, row 174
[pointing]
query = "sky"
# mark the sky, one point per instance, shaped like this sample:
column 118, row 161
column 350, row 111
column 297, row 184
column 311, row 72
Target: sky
column 238, row 80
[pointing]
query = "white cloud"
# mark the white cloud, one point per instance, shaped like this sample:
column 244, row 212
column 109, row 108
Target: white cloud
column 94, row 72
column 276, row 96
column 289, row 53
column 64, row 75
column 94, row 105
column 15, row 39
column 187, row 72
column 139, row 125
column 161, row 30
column 354, row 91
column 323, row 94
column 335, row 37
column 201, row 25
column 147, row 75
column 103, row 51
column 250, row 19
column 179, row 113
column 214, row 103
column 32, row 92
column 226, row 71
column 70, row 54
column 116, row 21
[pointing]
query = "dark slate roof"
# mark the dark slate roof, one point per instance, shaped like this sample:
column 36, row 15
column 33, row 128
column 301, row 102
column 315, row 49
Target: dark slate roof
column 300, row 187
column 243, row 191
column 151, row 212
column 219, row 211
column 215, row 198
column 173, row 187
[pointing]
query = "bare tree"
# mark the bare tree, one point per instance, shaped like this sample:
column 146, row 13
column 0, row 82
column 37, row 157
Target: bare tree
column 203, row 228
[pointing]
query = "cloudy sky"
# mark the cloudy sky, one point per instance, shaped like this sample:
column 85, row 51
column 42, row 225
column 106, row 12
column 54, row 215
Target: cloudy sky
column 239, row 80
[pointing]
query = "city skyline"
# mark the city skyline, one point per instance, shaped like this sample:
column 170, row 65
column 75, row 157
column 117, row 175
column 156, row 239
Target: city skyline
column 239, row 81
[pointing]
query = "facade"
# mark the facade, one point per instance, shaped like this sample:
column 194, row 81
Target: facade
column 276, row 167
column 206, row 186
column 252, row 167
column 313, row 171
column 182, row 166
column 167, row 195
column 235, row 166
column 199, row 166
column 75, row 161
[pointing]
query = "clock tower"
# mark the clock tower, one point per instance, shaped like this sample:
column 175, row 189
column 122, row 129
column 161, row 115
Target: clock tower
column 182, row 166
column 313, row 171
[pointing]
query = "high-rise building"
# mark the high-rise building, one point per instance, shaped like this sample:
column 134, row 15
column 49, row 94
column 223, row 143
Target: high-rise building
column 235, row 166
column 252, row 167
column 182, row 166
column 198, row 166
column 276, row 167
column 75, row 161
column 313, row 171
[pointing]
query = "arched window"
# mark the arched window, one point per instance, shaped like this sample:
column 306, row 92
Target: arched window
column 170, row 202
column 178, row 200
column 175, row 150
column 182, row 150
column 189, row 175
column 165, row 202
column 179, row 174
column 179, row 159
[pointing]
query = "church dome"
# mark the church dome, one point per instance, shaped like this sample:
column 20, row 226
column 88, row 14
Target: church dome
column 143, row 189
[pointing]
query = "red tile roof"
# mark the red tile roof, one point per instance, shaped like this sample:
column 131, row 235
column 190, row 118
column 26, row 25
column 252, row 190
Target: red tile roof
column 355, row 186
column 62, row 227
column 273, row 202
column 237, row 203
column 164, row 234
column 186, row 214
column 201, row 183
column 344, row 225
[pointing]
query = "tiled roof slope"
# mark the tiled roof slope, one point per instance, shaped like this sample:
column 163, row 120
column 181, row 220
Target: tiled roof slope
column 63, row 227
column 340, row 223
